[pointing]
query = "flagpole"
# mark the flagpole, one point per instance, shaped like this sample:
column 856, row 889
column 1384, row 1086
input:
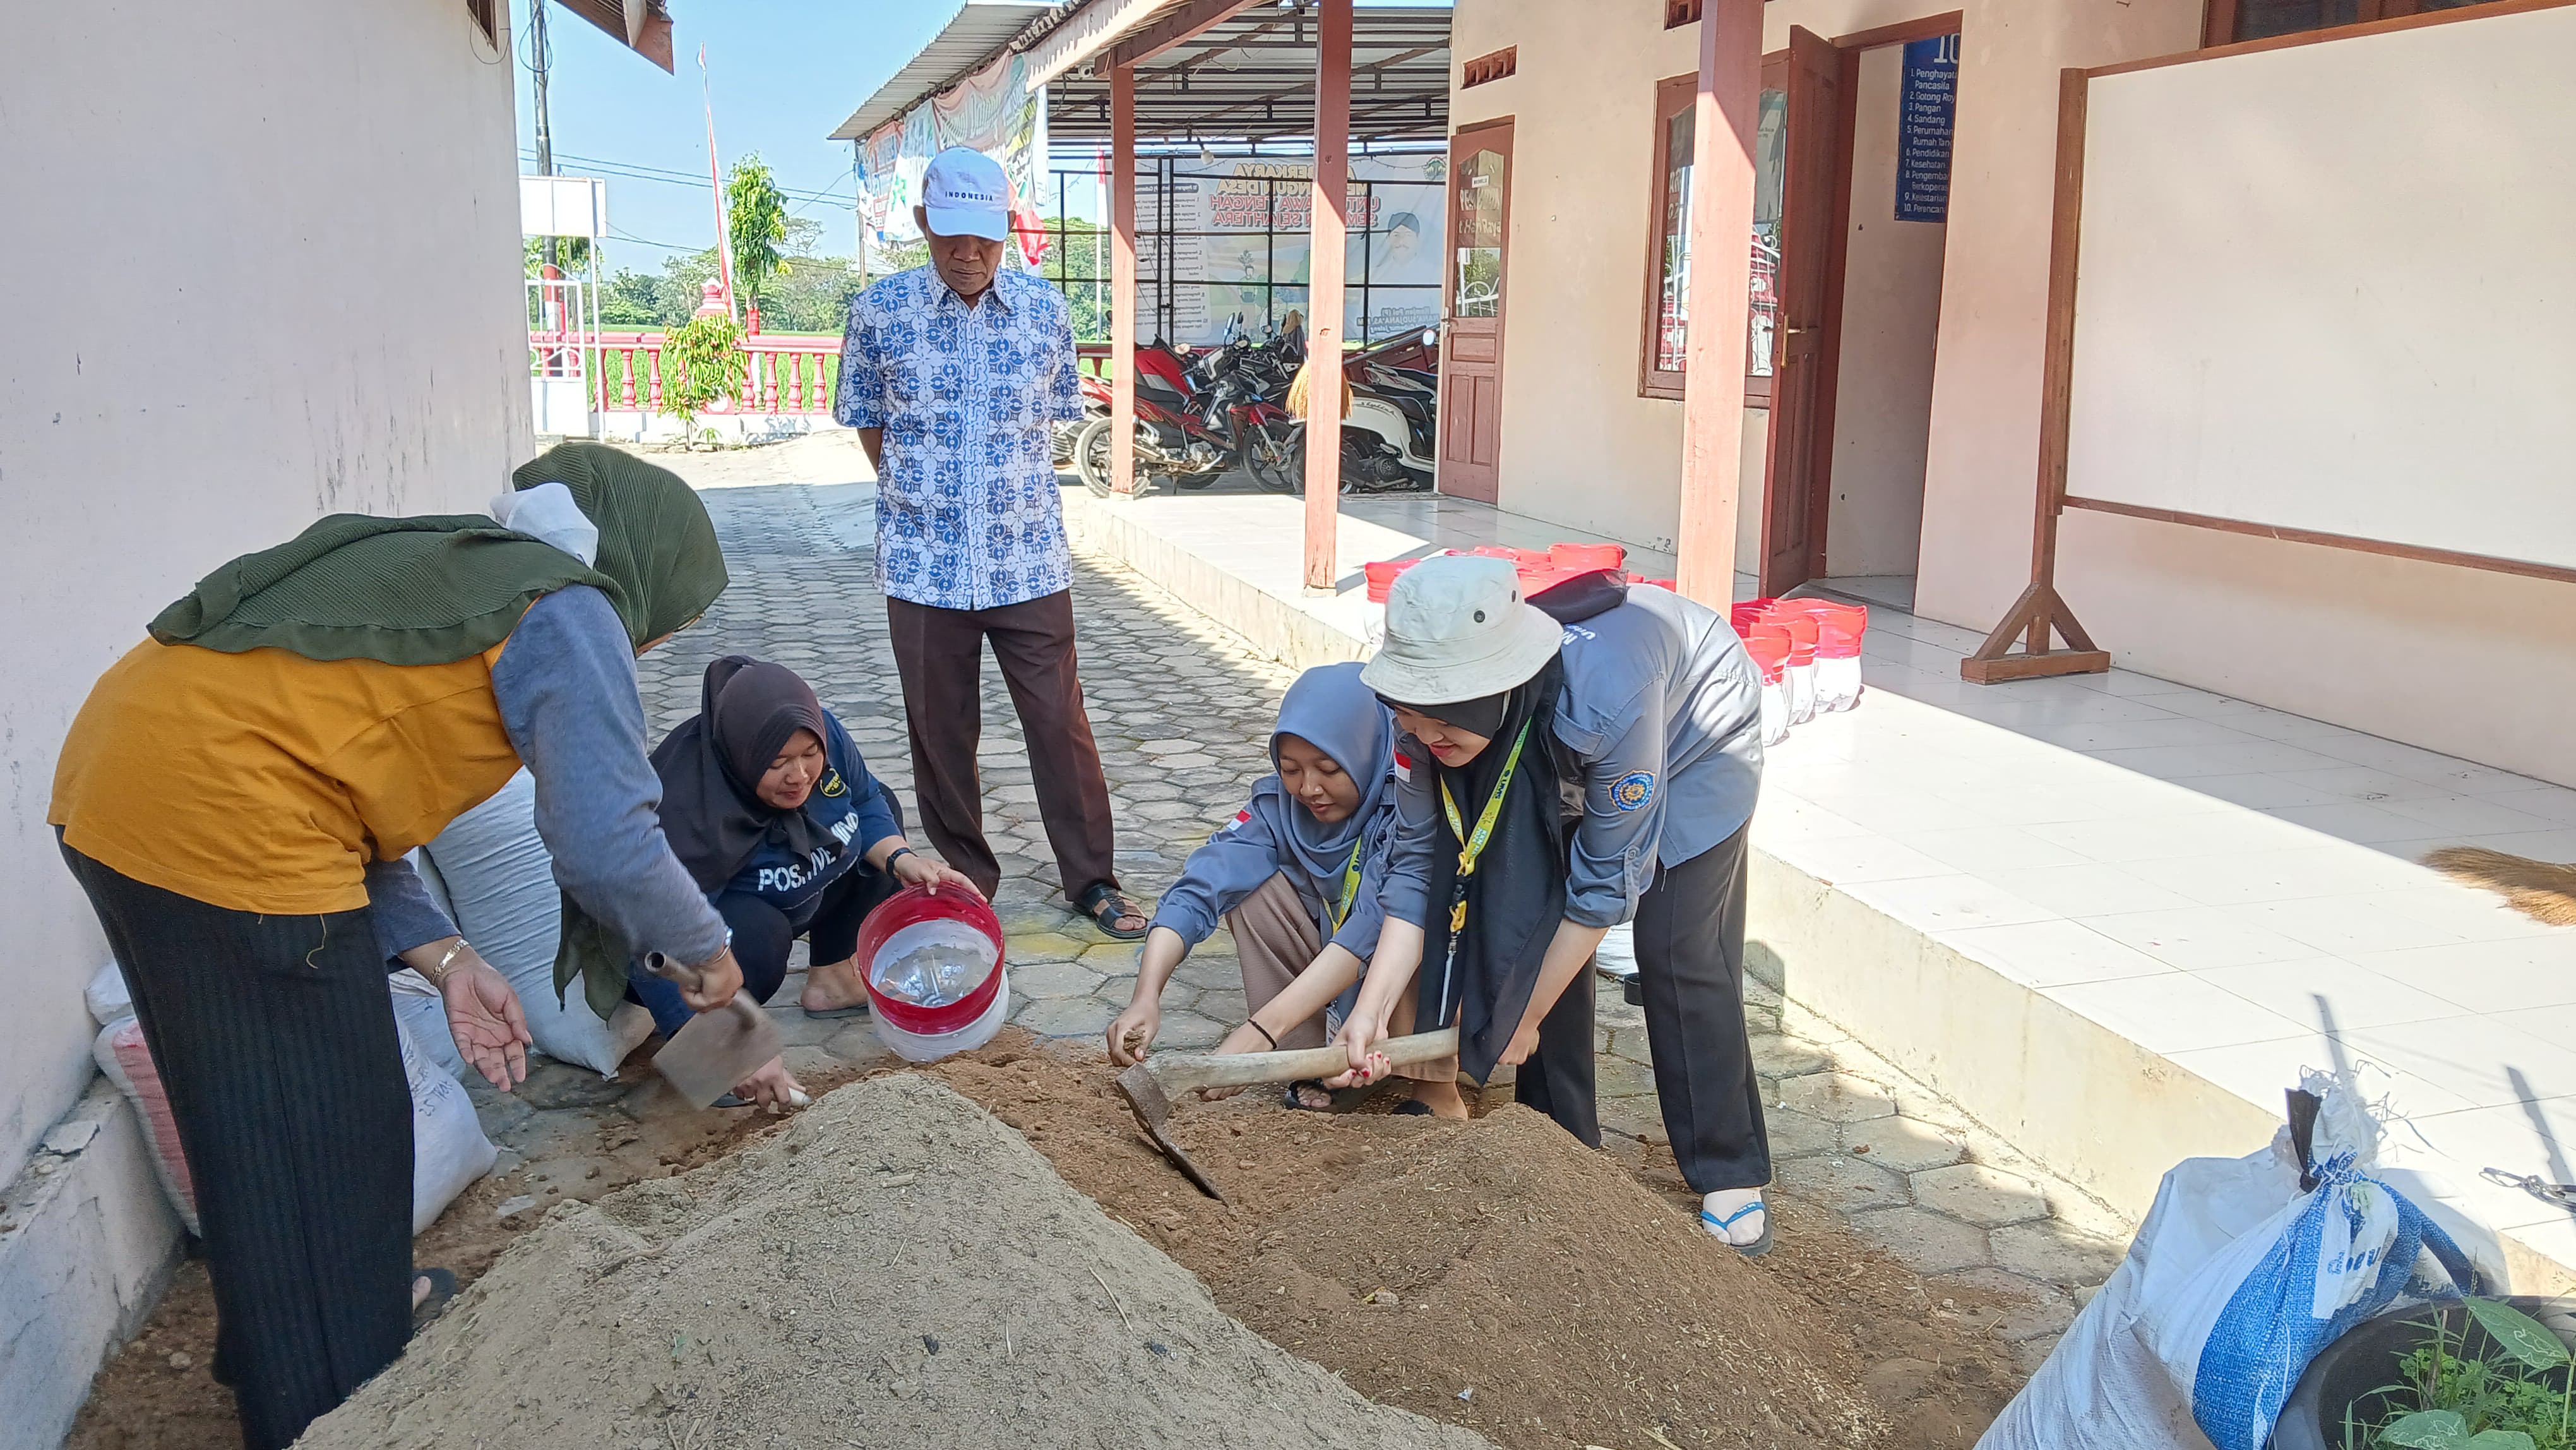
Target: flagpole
column 724, row 239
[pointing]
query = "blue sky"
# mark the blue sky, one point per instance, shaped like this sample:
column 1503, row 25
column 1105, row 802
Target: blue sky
column 786, row 74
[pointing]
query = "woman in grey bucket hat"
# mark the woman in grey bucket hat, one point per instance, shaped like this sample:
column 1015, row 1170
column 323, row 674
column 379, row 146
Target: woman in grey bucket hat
column 1566, row 766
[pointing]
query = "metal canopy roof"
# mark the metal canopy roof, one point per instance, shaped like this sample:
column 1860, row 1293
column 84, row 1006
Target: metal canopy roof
column 1252, row 78
column 978, row 30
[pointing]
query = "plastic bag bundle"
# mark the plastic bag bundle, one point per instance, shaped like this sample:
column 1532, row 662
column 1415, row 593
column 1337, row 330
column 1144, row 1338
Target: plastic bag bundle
column 2238, row 1277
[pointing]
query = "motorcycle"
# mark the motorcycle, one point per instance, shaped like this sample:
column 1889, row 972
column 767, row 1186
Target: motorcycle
column 1198, row 416
column 1389, row 439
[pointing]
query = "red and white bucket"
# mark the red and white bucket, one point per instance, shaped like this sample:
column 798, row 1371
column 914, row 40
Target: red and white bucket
column 936, row 980
column 1802, row 633
column 1768, row 645
column 1584, row 558
column 1838, row 640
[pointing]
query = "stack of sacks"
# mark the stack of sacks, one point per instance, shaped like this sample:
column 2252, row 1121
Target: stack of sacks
column 448, row 1149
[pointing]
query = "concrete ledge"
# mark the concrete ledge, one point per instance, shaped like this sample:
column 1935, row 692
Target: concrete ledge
column 87, row 1243
column 2100, row 1111
column 1275, row 626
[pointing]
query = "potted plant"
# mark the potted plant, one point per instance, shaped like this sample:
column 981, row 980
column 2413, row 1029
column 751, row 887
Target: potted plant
column 2473, row 1374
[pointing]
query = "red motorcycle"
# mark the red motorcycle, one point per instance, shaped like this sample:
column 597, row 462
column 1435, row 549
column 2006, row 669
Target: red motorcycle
column 1198, row 416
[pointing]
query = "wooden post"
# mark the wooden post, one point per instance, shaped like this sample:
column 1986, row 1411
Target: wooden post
column 1720, row 300
column 1326, row 261
column 1122, row 279
column 2039, row 610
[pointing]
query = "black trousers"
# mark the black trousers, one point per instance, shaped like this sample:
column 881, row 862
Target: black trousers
column 274, row 1037
column 1690, row 965
column 939, row 653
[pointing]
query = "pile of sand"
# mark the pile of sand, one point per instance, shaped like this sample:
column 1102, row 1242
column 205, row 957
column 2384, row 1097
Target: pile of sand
column 895, row 1269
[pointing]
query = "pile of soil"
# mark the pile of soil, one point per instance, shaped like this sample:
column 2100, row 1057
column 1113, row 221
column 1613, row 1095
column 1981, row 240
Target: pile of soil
column 895, row 1269
column 1498, row 1276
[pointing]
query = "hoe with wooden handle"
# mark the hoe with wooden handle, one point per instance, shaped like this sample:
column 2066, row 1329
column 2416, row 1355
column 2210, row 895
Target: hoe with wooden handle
column 1150, row 1086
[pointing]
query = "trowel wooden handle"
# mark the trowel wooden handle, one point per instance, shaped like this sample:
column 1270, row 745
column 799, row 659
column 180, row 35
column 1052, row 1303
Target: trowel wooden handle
column 1243, row 1069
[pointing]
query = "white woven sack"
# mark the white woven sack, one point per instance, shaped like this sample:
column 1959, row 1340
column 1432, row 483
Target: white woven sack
column 500, row 891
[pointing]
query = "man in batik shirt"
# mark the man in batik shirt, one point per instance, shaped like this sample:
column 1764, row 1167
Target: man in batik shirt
column 953, row 374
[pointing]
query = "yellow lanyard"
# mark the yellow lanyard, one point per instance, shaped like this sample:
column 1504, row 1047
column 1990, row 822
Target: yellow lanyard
column 1350, row 882
column 1472, row 844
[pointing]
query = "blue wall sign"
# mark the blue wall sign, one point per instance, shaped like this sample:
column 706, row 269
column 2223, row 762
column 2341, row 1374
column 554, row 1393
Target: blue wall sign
column 1925, row 107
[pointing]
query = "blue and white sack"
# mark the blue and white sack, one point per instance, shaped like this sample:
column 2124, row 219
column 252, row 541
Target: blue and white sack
column 2235, row 1281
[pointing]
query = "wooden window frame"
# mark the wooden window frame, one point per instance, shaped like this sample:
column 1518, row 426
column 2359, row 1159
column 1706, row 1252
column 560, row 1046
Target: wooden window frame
column 1491, row 67
column 1678, row 13
column 2218, row 20
column 1669, row 383
column 1652, row 381
column 486, row 17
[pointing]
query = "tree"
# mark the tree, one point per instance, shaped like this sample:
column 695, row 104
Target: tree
column 757, row 222
column 702, row 362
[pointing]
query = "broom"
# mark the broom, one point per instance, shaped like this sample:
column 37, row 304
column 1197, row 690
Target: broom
column 2542, row 890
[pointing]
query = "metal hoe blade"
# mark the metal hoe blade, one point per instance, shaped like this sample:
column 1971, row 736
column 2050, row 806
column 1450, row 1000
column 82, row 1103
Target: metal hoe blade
column 1144, row 1095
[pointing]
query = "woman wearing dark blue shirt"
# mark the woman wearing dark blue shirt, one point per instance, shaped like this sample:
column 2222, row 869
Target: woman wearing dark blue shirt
column 767, row 801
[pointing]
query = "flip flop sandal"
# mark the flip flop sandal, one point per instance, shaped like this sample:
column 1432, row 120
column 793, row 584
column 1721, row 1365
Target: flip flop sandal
column 1717, row 1228
column 855, row 1009
column 1105, row 904
column 730, row 1101
column 442, row 1288
column 1343, row 1099
column 1412, row 1108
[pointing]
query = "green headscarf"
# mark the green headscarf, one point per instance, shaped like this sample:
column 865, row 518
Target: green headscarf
column 433, row 590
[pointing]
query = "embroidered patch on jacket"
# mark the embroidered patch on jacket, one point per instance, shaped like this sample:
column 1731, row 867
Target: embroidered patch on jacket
column 833, row 785
column 1403, row 768
column 1631, row 791
column 1239, row 818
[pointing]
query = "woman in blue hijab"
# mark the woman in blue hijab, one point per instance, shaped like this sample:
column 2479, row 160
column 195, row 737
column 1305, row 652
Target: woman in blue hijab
column 1295, row 877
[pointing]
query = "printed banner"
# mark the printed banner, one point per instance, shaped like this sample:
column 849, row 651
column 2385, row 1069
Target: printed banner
column 1925, row 109
column 1240, row 254
column 992, row 111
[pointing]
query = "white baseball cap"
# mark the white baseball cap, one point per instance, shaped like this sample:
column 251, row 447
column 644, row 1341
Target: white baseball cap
column 965, row 194
column 1458, row 629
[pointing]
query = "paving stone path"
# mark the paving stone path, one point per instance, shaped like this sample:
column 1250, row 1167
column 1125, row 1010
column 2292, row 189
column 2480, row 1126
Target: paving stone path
column 1183, row 709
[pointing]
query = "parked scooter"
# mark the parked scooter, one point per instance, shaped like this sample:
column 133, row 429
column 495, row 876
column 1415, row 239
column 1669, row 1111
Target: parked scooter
column 1198, row 416
column 1389, row 439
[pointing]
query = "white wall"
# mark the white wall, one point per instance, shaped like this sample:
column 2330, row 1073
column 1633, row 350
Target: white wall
column 1891, row 312
column 263, row 265
column 2327, row 287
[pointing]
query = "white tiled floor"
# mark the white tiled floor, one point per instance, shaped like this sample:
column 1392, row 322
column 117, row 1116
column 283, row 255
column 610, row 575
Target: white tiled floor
column 2230, row 886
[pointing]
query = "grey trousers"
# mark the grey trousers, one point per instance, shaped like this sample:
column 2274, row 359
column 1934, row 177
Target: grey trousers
column 1274, row 941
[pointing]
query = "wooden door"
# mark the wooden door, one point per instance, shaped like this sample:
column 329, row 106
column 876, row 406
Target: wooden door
column 1794, row 212
column 1471, row 374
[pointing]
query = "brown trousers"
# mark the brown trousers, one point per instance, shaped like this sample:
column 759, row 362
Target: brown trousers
column 940, row 655
column 1274, row 941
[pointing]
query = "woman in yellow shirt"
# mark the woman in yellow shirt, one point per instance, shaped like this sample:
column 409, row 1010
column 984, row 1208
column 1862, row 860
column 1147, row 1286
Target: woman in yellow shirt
column 236, row 798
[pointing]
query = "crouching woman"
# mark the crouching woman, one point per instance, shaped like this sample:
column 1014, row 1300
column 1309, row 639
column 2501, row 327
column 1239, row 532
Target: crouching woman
column 1295, row 878
column 768, row 803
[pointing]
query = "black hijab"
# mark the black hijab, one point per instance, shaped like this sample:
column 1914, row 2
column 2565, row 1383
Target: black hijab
column 711, row 768
column 1483, row 979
